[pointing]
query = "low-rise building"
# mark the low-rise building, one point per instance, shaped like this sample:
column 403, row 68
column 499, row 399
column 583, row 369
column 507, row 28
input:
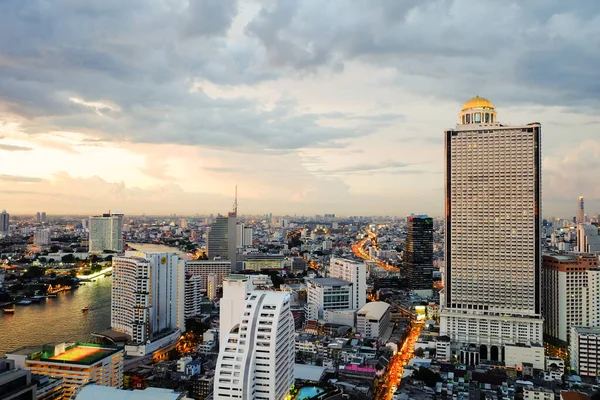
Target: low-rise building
column 16, row 384
column 537, row 393
column 328, row 294
column 373, row 319
column 515, row 354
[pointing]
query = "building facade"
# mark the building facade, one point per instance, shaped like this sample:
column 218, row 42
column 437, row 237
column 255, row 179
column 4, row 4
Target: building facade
column 588, row 239
column 16, row 384
column 222, row 242
column 418, row 254
column 205, row 268
column 257, row 359
column 584, row 350
column 492, row 279
column 106, row 233
column 77, row 364
column 4, row 223
column 148, row 295
column 328, row 294
column 570, row 296
column 373, row 319
column 354, row 272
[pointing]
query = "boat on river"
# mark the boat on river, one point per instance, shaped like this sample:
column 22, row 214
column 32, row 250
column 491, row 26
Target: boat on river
column 24, row 302
column 9, row 310
column 86, row 308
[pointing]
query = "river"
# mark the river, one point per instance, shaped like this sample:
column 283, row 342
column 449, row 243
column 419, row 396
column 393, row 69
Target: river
column 60, row 319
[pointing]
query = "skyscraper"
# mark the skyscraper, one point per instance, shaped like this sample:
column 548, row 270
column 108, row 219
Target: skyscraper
column 580, row 211
column 106, row 233
column 148, row 296
column 4, row 217
column 492, row 280
column 257, row 359
column 222, row 240
column 418, row 254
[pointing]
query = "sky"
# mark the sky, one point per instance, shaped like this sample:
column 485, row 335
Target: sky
column 309, row 106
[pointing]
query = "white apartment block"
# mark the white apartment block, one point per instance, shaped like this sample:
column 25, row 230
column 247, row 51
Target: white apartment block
column 193, row 296
column 204, row 268
column 492, row 282
column 42, row 237
column 373, row 320
column 571, row 293
column 588, row 239
column 256, row 361
column 148, row 295
column 106, row 233
column 354, row 272
column 328, row 294
column 78, row 364
column 584, row 350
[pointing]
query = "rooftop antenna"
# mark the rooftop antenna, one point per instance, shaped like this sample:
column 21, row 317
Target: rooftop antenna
column 235, row 203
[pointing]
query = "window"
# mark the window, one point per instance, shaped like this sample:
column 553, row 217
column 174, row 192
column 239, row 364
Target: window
column 477, row 117
column 487, row 117
column 468, row 118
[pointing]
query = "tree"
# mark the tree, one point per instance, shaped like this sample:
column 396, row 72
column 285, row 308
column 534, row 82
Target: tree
column 68, row 258
column 427, row 376
column 33, row 272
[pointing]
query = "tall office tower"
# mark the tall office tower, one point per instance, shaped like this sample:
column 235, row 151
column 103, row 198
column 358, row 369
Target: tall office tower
column 247, row 240
column 418, row 254
column 235, row 289
column 43, row 218
column 239, row 235
column 38, row 217
column 106, row 233
column 588, row 238
column 222, row 239
column 148, row 295
column 580, row 211
column 570, row 296
column 354, row 272
column 256, row 360
column 4, row 217
column 41, row 237
column 492, row 275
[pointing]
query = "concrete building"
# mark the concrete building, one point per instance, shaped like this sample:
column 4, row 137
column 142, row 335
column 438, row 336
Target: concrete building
column 258, row 261
column 517, row 354
column 193, row 296
column 148, row 295
column 492, row 279
column 418, row 254
column 354, row 272
column 537, row 393
column 76, row 363
column 328, row 294
column 588, row 239
column 222, row 240
column 570, row 297
column 257, row 358
column 204, row 268
column 106, row 233
column 580, row 211
column 95, row 392
column 243, row 236
column 373, row 319
column 4, row 223
column 584, row 350
column 235, row 289
column 41, row 237
column 16, row 384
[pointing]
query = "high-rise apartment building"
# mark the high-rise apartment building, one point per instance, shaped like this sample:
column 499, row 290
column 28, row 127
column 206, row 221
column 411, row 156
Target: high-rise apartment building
column 244, row 236
column 588, row 239
column 584, row 351
column 43, row 217
column 106, row 233
column 570, row 298
column 580, row 211
column 41, row 237
column 148, row 296
column 492, row 279
column 4, row 225
column 38, row 217
column 205, row 268
column 78, row 364
column 354, row 272
column 418, row 254
column 256, row 360
column 324, row 294
column 222, row 242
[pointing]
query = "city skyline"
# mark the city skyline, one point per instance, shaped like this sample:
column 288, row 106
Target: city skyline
column 171, row 121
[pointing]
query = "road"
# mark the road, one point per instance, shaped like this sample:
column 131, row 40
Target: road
column 395, row 370
column 359, row 250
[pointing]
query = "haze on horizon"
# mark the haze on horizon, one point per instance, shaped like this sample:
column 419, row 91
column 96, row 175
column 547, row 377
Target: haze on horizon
column 163, row 106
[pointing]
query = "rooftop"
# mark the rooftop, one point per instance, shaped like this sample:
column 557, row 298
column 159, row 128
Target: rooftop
column 106, row 392
column 75, row 353
column 331, row 282
column 586, row 330
column 374, row 310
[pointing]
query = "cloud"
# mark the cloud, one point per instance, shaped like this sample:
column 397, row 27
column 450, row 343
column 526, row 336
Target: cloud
column 209, row 17
column 384, row 167
column 17, row 178
column 10, row 147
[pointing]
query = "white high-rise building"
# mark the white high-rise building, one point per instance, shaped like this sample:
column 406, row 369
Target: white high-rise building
column 354, row 272
column 492, row 287
column 4, row 226
column 106, row 233
column 588, row 239
column 41, row 237
column 256, row 360
column 148, row 295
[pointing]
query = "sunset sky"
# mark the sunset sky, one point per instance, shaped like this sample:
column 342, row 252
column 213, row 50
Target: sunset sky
column 310, row 106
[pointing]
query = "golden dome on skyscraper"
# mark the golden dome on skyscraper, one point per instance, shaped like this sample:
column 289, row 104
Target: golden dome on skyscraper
column 478, row 102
